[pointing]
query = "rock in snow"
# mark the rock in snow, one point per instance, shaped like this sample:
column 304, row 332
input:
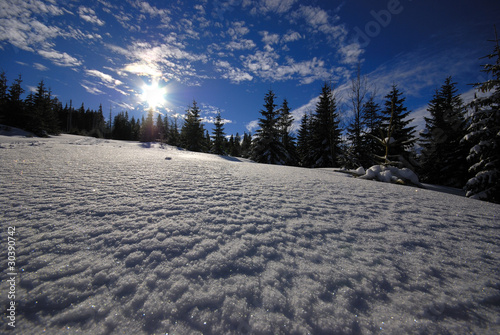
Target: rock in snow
column 112, row 238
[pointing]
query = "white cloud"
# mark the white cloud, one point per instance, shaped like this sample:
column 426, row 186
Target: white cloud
column 268, row 38
column 211, row 119
column 60, row 58
column 252, row 125
column 238, row 30
column 145, row 8
column 143, row 69
column 242, row 44
column 166, row 60
column 91, row 88
column 275, row 6
column 106, row 78
column 40, row 67
column 265, row 65
column 314, row 16
column 88, row 14
column 235, row 75
column 350, row 54
column 291, row 36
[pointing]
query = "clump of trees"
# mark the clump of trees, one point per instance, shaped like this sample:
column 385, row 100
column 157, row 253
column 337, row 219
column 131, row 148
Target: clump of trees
column 43, row 114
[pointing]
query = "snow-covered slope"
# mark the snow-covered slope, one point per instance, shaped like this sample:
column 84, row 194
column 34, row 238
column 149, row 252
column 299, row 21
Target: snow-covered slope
column 126, row 238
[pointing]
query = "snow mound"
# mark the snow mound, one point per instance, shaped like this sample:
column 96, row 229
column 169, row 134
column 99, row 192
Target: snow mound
column 112, row 238
column 390, row 174
column 12, row 131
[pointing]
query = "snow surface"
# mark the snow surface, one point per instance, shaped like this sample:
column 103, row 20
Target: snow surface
column 129, row 238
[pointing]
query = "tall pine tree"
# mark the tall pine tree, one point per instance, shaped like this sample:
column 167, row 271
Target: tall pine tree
column 396, row 132
column 266, row 146
column 443, row 159
column 304, row 144
column 147, row 128
column 15, row 114
column 371, row 119
column 4, row 98
column 483, row 135
column 192, row 132
column 218, row 136
column 325, row 135
column 246, row 145
column 285, row 121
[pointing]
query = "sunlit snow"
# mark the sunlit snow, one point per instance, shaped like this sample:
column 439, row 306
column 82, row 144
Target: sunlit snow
column 129, row 238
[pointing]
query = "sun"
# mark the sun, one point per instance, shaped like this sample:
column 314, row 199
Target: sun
column 154, row 95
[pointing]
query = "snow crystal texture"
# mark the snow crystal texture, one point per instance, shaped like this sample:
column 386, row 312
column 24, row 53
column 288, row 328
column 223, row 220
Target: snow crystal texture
column 128, row 238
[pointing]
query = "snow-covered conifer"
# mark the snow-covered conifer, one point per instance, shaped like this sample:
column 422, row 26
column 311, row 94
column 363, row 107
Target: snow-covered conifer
column 483, row 135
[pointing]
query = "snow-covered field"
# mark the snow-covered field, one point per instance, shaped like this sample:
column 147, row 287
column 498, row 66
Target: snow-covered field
column 127, row 238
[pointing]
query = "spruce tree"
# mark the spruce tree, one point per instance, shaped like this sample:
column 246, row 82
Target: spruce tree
column 147, row 128
column 122, row 127
column 159, row 129
column 266, row 146
column 236, row 148
column 4, row 98
column 173, row 135
column 398, row 135
column 372, row 121
column 166, row 129
column 192, row 132
column 15, row 113
column 246, row 145
column 285, row 121
column 483, row 134
column 325, row 135
column 304, row 148
column 218, row 136
column 43, row 118
column 443, row 159
column 136, row 130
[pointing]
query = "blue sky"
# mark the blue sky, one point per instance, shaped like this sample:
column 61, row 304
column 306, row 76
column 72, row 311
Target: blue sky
column 227, row 54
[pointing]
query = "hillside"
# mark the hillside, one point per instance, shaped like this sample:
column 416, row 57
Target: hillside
column 124, row 237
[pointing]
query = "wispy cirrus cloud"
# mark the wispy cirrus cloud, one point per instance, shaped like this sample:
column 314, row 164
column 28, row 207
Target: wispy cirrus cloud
column 40, row 67
column 105, row 78
column 21, row 26
column 60, row 58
